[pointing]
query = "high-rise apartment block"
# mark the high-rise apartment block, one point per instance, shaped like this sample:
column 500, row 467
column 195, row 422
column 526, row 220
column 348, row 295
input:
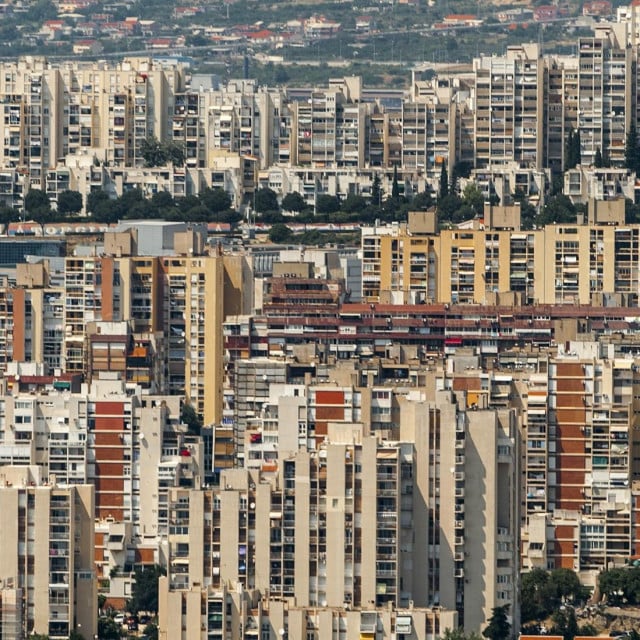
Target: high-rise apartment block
column 474, row 263
column 503, row 114
column 155, row 319
column 376, row 442
column 365, row 523
column 47, row 535
column 509, row 104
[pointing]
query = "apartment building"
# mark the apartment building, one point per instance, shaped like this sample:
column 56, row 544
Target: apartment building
column 509, row 105
column 47, row 535
column 561, row 109
column 415, row 263
column 106, row 435
column 277, row 529
column 577, row 263
column 193, row 307
column 67, row 110
column 10, row 612
column 37, row 326
column 251, row 383
column 92, row 293
column 234, row 611
column 516, row 109
column 431, row 134
column 130, row 448
column 241, row 118
column 580, row 481
column 578, row 414
column 155, row 320
column 605, row 96
column 399, row 261
column 584, row 184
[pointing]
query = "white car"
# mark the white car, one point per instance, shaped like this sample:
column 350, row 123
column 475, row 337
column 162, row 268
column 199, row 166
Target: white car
column 119, row 619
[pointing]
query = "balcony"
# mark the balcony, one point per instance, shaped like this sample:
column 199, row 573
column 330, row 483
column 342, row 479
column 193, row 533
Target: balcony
column 368, row 622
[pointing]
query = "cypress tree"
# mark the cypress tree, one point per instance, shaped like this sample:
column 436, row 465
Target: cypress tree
column 376, row 191
column 395, row 189
column 632, row 150
column 598, row 162
column 444, row 181
column 572, row 150
column 577, row 148
column 568, row 151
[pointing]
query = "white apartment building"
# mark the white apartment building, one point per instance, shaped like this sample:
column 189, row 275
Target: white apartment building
column 47, row 537
column 442, row 502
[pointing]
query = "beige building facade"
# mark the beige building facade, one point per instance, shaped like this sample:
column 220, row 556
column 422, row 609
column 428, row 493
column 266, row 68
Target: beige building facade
column 472, row 263
column 47, row 534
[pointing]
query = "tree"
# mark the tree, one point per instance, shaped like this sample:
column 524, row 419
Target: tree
column 557, row 209
column 216, row 200
column 395, row 187
column 460, row 634
column 75, row 635
column 266, row 200
column 534, row 595
column 590, row 630
column 152, row 152
column 163, row 205
column 376, row 191
column 577, row 148
column 598, row 162
column 448, row 208
column 460, row 170
column 151, row 631
column 294, row 202
column 37, row 205
column 620, row 585
column 108, row 629
column 611, row 584
column 572, row 150
column 498, row 627
column 40, row 11
column 527, row 210
column 444, row 181
column 95, row 199
column 423, row 200
column 133, row 205
column 174, row 152
column 354, row 203
column 566, row 586
column 631, row 212
column 565, row 623
column 568, row 151
column 189, row 417
column 108, row 211
column 69, row 202
column 8, row 214
column 281, row 75
column 632, row 150
column 144, row 596
column 38, row 636
column 280, row 233
column 157, row 154
column 196, row 40
column 473, row 196
column 542, row 593
column 327, row 204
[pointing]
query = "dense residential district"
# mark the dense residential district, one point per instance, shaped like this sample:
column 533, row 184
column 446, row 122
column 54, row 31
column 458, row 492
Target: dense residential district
column 328, row 363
